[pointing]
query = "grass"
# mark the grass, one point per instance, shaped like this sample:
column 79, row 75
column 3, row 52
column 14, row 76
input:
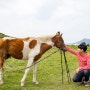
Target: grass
column 48, row 74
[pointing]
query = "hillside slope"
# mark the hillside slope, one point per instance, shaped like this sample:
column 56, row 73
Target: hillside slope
column 3, row 35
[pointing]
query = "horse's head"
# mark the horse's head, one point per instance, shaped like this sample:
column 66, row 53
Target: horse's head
column 58, row 41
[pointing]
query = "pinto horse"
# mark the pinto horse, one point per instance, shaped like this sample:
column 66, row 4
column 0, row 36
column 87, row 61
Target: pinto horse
column 31, row 48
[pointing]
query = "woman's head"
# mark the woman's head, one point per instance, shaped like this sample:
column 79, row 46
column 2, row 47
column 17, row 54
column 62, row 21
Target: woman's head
column 83, row 46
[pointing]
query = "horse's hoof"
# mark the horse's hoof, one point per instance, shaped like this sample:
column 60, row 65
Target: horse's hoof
column 22, row 84
column 36, row 82
column 1, row 82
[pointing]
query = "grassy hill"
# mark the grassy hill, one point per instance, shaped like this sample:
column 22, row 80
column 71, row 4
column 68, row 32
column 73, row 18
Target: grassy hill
column 48, row 73
column 3, row 35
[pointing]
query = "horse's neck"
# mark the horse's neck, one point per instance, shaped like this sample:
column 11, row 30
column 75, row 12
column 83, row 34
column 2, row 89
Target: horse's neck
column 45, row 39
column 46, row 43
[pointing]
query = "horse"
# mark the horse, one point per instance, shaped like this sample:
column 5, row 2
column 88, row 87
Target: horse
column 31, row 48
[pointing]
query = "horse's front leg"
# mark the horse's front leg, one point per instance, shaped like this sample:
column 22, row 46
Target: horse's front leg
column 34, row 73
column 30, row 61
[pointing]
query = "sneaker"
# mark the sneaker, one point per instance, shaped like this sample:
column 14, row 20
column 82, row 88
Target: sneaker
column 87, row 84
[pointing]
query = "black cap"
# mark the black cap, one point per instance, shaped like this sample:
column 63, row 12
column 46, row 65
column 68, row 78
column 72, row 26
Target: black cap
column 83, row 46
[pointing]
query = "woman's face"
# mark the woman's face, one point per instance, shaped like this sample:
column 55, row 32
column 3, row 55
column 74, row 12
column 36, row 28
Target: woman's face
column 80, row 50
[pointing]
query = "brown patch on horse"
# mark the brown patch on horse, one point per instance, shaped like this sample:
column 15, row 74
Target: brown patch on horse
column 32, row 44
column 3, row 51
column 3, row 44
column 4, row 47
column 44, row 47
column 2, row 57
column 15, row 48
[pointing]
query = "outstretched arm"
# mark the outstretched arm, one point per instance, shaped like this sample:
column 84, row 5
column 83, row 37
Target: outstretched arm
column 71, row 50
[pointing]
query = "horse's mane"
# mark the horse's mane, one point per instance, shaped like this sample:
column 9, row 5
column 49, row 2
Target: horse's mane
column 39, row 38
column 43, row 38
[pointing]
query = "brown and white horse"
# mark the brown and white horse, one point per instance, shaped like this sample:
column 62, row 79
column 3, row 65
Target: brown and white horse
column 31, row 48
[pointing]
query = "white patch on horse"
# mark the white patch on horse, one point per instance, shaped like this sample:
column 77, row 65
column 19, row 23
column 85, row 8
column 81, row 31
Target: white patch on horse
column 27, row 52
column 0, row 71
column 35, row 51
column 45, row 39
column 26, row 49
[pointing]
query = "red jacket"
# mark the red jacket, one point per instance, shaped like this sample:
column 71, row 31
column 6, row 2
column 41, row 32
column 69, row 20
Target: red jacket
column 84, row 61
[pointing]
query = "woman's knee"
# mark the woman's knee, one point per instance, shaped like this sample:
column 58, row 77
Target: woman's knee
column 86, row 72
column 75, row 79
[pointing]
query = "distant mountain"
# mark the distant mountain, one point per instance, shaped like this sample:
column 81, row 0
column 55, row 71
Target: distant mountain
column 87, row 41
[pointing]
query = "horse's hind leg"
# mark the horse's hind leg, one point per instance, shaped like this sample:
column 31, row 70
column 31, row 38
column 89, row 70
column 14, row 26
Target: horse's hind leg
column 34, row 73
column 30, row 61
column 1, row 80
column 1, row 67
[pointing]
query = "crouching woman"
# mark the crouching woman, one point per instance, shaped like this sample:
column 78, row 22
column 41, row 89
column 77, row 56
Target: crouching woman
column 83, row 72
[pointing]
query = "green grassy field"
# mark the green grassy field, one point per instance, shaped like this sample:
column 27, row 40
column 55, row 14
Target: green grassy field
column 48, row 73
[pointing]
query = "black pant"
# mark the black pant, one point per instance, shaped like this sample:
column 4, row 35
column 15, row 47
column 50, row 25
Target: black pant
column 83, row 74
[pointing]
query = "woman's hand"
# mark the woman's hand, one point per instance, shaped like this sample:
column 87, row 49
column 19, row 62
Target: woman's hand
column 77, row 70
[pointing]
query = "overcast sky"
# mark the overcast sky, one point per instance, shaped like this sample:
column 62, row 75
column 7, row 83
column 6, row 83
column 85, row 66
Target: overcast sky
column 23, row 18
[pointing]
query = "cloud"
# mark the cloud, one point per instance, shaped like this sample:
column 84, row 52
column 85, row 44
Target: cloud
column 45, row 12
column 21, row 18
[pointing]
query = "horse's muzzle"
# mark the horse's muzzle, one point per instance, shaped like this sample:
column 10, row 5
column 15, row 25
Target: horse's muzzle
column 63, row 49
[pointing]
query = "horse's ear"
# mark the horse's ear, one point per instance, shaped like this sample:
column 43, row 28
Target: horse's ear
column 58, row 32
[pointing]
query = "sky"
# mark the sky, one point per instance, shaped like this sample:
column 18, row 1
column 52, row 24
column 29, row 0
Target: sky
column 23, row 18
